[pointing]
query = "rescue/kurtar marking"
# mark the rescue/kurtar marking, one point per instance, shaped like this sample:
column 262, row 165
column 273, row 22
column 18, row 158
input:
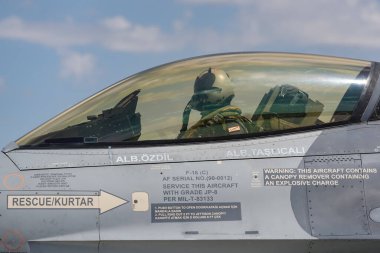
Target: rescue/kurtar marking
column 51, row 201
column 104, row 202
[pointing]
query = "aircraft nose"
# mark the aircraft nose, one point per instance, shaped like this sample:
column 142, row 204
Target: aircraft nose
column 11, row 230
column 10, row 176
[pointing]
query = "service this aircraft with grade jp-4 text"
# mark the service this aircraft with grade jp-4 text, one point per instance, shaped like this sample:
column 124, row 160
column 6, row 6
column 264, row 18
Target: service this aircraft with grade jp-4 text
column 238, row 152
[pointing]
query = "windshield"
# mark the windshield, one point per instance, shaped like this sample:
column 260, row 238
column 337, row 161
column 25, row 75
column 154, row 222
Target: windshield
column 213, row 96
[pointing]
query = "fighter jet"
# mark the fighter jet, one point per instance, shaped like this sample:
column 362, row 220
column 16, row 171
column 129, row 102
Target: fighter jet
column 237, row 152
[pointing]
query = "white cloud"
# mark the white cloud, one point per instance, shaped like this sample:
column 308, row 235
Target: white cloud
column 117, row 23
column 115, row 33
column 49, row 34
column 77, row 65
column 351, row 23
column 121, row 35
column 272, row 23
column 324, row 22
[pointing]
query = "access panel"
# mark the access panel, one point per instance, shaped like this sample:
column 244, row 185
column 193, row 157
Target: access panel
column 337, row 206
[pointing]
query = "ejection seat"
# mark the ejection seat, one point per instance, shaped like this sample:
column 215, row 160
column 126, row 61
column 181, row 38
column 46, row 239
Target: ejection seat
column 286, row 107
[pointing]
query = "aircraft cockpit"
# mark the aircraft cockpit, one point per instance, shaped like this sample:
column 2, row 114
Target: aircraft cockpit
column 241, row 95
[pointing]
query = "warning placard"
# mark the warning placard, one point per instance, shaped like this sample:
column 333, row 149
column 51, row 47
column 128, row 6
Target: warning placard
column 315, row 176
column 195, row 212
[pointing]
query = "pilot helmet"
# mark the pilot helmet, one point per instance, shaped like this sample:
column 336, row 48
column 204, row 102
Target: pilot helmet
column 212, row 90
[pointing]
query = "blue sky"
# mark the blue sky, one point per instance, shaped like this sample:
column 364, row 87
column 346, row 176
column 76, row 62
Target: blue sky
column 56, row 53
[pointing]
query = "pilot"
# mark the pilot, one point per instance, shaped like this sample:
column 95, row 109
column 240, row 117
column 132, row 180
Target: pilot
column 212, row 97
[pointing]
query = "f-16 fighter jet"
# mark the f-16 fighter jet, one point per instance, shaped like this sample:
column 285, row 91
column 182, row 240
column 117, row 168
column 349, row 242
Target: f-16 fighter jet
column 238, row 152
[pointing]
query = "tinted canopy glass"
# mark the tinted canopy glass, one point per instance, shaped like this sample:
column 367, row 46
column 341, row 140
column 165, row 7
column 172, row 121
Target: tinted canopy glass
column 213, row 96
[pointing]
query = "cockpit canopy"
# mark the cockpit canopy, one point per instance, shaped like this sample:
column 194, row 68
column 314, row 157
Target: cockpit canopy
column 270, row 93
